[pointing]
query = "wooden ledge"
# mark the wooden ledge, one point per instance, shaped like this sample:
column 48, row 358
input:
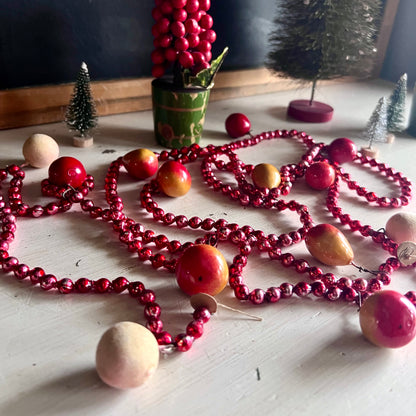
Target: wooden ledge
column 39, row 105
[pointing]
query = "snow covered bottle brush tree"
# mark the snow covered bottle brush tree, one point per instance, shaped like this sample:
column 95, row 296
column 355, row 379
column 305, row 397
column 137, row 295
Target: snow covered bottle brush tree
column 316, row 40
column 81, row 114
column 376, row 130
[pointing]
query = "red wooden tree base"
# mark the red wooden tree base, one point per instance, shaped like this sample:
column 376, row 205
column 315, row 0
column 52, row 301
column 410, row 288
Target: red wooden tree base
column 311, row 113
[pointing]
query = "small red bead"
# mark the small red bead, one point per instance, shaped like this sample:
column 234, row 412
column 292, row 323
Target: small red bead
column 202, row 314
column 83, row 285
column 273, row 294
column 102, row 285
column 164, row 338
column 65, row 286
column 195, row 329
column 286, row 290
column 257, row 296
column 48, row 282
column 183, row 342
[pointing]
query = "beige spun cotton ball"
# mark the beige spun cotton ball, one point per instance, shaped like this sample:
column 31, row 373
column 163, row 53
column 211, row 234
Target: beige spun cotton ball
column 402, row 227
column 40, row 150
column 127, row 355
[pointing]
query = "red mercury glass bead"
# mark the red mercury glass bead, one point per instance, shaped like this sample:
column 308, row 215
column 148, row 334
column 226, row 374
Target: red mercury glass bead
column 272, row 294
column 286, row 290
column 152, row 310
column 344, row 282
column 201, row 314
column 135, row 289
column 360, row 284
column 235, row 281
column 52, row 208
column 287, row 259
column 36, row 274
column 146, row 296
column 195, row 329
column 384, row 278
column 375, row 285
column 102, row 285
column 65, row 286
column 318, row 288
column 120, row 284
column 411, row 295
column 333, row 293
column 315, row 273
column 67, row 171
column 183, row 342
column 164, row 338
column 158, row 260
column 349, row 294
column 83, row 285
column 145, row 254
column 9, row 264
column 302, row 289
column 48, row 282
column 301, row 265
column 241, row 292
column 154, row 325
column 256, row 296
column 21, row 271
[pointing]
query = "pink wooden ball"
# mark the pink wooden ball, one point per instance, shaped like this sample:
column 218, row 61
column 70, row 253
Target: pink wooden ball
column 127, row 355
column 40, row 150
column 388, row 319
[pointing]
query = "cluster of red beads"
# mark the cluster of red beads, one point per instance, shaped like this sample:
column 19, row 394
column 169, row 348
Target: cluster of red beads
column 162, row 253
column 182, row 34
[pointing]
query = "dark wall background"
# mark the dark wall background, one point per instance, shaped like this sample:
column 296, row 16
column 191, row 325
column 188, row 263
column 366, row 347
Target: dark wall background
column 401, row 53
column 44, row 41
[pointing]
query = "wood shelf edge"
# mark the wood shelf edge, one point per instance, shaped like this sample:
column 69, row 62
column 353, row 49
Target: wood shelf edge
column 46, row 104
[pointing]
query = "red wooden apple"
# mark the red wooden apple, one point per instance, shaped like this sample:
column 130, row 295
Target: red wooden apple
column 342, row 150
column 140, row 163
column 174, row 179
column 66, row 171
column 237, row 125
column 320, row 175
column 202, row 269
column 388, row 319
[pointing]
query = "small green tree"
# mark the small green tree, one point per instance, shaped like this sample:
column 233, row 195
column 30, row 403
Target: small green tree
column 324, row 39
column 376, row 130
column 397, row 106
column 81, row 114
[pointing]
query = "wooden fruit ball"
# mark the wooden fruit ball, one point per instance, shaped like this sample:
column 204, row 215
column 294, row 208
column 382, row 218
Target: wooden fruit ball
column 40, row 150
column 127, row 355
column 402, row 227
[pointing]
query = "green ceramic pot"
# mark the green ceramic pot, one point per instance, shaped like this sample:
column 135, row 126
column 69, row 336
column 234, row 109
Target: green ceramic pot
column 178, row 114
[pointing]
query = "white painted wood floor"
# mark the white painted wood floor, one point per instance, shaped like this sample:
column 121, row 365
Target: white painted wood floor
column 306, row 357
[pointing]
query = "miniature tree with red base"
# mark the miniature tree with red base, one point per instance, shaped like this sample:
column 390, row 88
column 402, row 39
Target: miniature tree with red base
column 319, row 40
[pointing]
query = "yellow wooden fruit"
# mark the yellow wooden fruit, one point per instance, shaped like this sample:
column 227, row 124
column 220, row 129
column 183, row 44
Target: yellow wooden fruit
column 265, row 175
column 328, row 245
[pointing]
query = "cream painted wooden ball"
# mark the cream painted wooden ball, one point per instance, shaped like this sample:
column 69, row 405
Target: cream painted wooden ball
column 40, row 150
column 127, row 355
column 402, row 227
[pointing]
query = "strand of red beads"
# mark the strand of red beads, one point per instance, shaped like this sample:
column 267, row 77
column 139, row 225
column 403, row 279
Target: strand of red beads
column 37, row 275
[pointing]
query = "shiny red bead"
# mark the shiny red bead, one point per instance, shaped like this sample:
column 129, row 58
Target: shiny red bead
column 183, row 342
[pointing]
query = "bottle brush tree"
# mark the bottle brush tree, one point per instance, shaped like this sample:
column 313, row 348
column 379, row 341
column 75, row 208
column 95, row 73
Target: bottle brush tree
column 317, row 40
column 397, row 106
column 376, row 130
column 81, row 115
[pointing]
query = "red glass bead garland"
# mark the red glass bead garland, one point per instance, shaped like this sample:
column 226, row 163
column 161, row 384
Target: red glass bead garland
column 143, row 241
